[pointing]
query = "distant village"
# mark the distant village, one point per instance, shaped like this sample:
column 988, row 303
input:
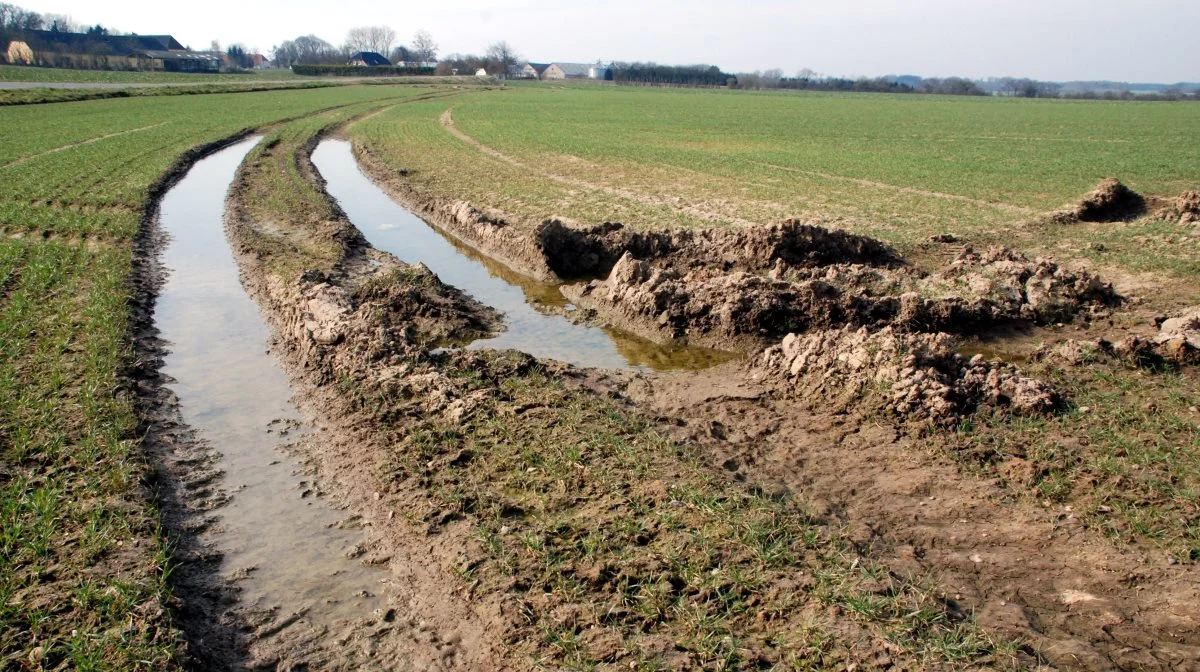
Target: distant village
column 55, row 41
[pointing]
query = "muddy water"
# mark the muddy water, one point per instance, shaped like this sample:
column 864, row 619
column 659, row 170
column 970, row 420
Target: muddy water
column 391, row 227
column 273, row 531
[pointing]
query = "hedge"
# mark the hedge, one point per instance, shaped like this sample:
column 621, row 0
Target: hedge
column 360, row 70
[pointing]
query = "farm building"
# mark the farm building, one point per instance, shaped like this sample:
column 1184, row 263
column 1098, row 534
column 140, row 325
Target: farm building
column 368, row 59
column 575, row 71
column 529, row 71
column 566, row 71
column 113, row 52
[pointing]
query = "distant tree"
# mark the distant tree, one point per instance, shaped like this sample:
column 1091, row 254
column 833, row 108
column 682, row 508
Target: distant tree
column 424, row 49
column 60, row 23
column 770, row 78
column 97, row 31
column 238, row 56
column 501, row 57
column 378, row 39
column 401, row 54
column 15, row 18
column 444, row 69
column 306, row 50
column 215, row 46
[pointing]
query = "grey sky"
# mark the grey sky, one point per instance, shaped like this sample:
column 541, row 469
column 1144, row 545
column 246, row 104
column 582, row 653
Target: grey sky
column 1148, row 40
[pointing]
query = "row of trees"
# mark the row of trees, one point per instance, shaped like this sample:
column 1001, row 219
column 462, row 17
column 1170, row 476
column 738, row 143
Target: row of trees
column 312, row 50
column 670, row 75
column 498, row 60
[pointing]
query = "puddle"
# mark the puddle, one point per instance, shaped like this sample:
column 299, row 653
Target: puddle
column 235, row 396
column 391, row 227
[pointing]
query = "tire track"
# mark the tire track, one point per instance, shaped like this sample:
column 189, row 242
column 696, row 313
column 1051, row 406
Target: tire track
column 27, row 159
column 447, row 121
column 904, row 190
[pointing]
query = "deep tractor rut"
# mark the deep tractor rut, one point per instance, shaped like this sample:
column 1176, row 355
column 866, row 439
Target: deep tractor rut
column 271, row 573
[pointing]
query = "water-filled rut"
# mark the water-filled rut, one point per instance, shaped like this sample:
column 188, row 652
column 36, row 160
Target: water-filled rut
column 281, row 546
column 541, row 333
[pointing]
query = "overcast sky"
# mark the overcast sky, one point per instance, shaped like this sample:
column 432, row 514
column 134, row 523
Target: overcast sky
column 1146, row 40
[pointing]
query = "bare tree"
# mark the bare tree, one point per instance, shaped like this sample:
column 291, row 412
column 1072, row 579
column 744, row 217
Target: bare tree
column 424, row 49
column 61, row 23
column 378, row 39
column 16, row 18
column 501, row 58
column 770, row 78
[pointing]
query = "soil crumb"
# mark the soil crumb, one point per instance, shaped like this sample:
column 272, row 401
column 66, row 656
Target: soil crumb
column 1176, row 344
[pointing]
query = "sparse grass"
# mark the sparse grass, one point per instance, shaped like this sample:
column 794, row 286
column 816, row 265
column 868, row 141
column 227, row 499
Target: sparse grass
column 602, row 526
column 1125, row 458
column 82, row 568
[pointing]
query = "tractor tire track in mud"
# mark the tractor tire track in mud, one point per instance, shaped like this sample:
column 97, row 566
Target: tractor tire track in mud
column 447, row 121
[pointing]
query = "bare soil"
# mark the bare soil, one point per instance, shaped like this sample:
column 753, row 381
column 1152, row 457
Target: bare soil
column 1033, row 572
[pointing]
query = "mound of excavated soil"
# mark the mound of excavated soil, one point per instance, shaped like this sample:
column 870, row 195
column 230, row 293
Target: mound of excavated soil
column 577, row 253
column 742, row 309
column 1111, row 201
column 1039, row 290
column 917, row 377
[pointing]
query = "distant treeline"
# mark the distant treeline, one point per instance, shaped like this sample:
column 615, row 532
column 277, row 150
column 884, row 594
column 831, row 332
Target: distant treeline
column 358, row 71
column 673, row 75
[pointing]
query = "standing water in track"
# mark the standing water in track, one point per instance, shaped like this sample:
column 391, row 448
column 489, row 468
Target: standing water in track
column 392, row 228
column 284, row 542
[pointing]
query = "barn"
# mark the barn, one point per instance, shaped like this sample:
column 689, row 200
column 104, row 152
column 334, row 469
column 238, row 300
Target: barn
column 566, row 71
column 113, row 52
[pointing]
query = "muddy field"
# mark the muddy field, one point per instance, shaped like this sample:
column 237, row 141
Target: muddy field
column 388, row 425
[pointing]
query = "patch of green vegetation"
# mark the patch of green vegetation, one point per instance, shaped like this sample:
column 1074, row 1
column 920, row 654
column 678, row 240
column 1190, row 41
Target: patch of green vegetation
column 1125, row 458
column 82, row 569
column 21, row 73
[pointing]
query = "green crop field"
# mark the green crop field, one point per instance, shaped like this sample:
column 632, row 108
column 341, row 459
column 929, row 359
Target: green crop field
column 18, row 73
column 898, row 167
column 82, row 566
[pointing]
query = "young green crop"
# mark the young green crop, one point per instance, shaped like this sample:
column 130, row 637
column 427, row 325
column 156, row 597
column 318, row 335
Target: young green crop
column 902, row 168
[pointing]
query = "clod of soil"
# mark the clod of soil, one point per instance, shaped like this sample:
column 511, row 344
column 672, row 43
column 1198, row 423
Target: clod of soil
column 1178, row 337
column 745, row 310
column 1177, row 343
column 917, row 377
column 1185, row 208
column 1039, row 290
